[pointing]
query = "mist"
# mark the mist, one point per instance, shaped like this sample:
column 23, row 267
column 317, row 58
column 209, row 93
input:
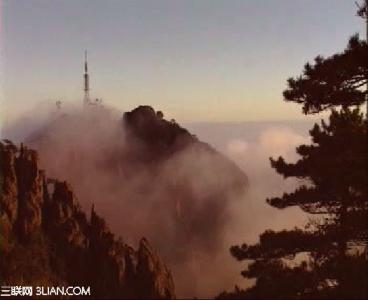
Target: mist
column 192, row 231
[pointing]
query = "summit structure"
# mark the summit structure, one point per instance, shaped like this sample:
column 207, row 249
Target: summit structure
column 86, row 99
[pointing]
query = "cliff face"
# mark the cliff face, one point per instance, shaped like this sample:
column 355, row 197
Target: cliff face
column 46, row 238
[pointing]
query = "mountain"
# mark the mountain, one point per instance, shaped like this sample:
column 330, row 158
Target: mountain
column 148, row 176
column 47, row 240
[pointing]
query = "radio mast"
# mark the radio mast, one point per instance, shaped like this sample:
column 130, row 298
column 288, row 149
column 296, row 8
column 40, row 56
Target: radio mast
column 86, row 99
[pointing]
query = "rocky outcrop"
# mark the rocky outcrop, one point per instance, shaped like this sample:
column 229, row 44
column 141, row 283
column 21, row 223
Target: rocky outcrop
column 151, row 273
column 160, row 140
column 40, row 218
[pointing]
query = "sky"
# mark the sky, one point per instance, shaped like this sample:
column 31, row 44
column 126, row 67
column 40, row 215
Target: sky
column 197, row 61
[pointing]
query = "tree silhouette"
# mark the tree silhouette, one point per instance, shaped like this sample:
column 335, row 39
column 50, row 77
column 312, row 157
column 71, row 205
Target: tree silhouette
column 326, row 259
column 333, row 81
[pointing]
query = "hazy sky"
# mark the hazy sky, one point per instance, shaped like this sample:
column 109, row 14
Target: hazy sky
column 203, row 60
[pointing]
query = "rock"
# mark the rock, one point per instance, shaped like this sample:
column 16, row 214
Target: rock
column 9, row 184
column 43, row 219
column 152, row 274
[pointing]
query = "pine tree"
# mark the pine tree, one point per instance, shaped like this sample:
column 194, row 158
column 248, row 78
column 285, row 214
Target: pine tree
column 324, row 260
column 334, row 169
column 338, row 80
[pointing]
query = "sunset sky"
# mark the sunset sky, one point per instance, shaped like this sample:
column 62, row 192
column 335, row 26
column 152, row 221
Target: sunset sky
column 203, row 60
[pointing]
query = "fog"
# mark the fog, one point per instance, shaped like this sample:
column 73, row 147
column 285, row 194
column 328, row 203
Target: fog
column 192, row 231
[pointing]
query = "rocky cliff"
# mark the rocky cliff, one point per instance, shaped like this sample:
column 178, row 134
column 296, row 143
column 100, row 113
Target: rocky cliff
column 46, row 238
